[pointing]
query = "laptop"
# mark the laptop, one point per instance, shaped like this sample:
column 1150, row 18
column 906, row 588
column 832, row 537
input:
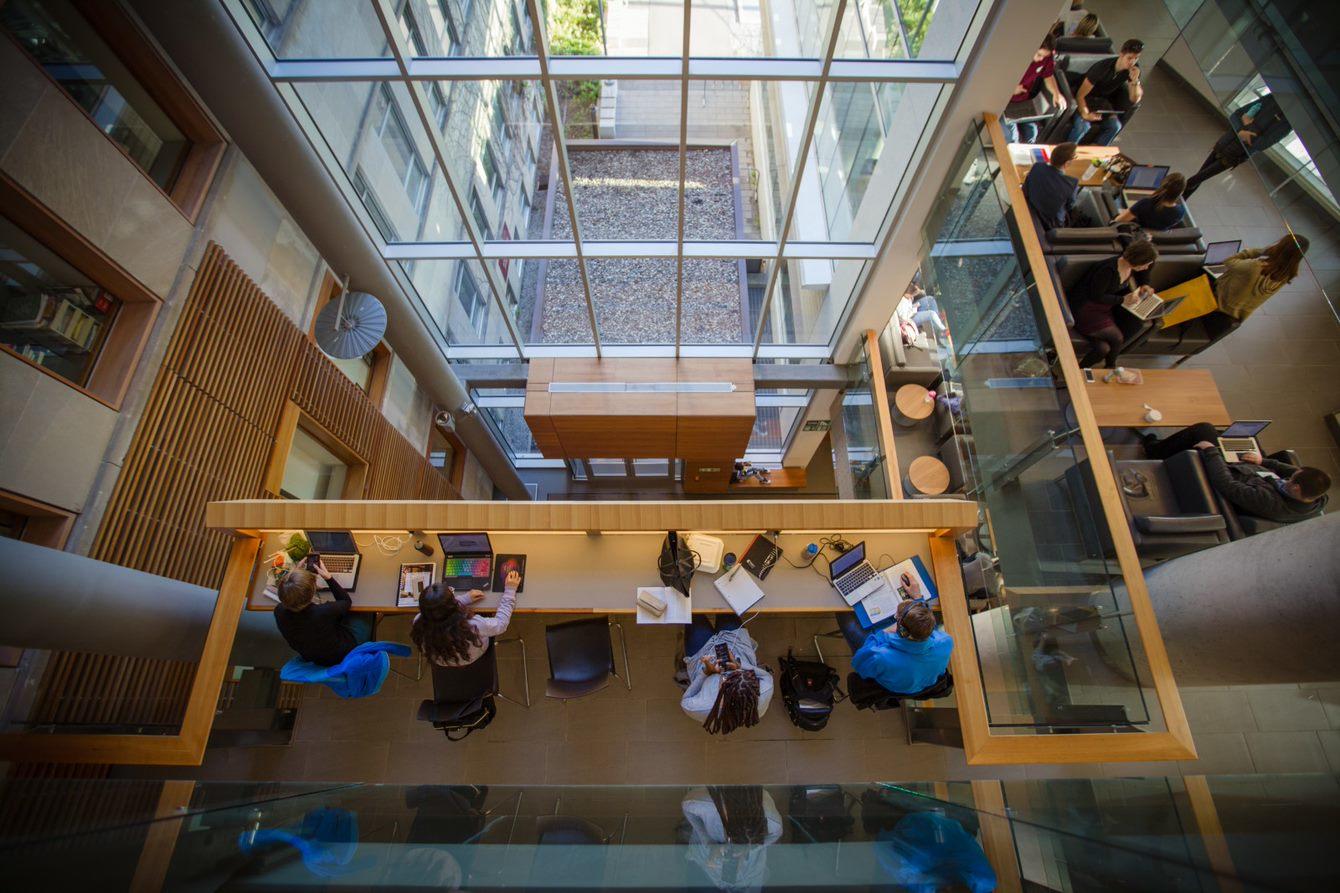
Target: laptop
column 1239, row 438
column 1215, row 255
column 467, row 560
column 339, row 553
column 1152, row 307
column 853, row 576
column 1142, row 180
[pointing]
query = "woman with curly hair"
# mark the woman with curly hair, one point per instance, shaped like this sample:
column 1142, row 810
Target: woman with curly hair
column 450, row 633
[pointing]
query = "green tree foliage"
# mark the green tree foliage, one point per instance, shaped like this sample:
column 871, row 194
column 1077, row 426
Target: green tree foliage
column 574, row 30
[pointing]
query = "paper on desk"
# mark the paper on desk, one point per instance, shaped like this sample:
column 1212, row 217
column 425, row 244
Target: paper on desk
column 678, row 606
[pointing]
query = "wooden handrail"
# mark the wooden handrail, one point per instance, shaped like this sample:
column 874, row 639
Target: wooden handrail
column 1176, row 742
column 879, row 398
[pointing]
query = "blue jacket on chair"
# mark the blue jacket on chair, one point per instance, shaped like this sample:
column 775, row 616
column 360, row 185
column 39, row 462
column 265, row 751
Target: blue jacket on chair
column 360, row 674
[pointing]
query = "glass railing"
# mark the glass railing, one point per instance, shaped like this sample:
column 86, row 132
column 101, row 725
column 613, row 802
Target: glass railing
column 865, row 454
column 1148, row 834
column 1056, row 647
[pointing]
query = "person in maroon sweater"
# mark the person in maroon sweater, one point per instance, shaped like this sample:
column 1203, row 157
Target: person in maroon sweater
column 1040, row 71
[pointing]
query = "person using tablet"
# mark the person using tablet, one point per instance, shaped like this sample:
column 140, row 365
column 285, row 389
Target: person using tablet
column 1108, row 85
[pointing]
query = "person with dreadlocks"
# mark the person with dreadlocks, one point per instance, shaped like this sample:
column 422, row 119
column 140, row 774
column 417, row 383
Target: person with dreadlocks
column 730, row 694
column 728, row 830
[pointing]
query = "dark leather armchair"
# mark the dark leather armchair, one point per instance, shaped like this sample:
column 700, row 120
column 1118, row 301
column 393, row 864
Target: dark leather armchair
column 1169, row 505
column 1242, row 525
column 1186, row 239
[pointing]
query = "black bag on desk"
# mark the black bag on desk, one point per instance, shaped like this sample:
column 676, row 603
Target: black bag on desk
column 677, row 563
column 809, row 690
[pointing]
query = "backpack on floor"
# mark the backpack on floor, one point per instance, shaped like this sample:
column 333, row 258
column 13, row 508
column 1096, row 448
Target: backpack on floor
column 809, row 690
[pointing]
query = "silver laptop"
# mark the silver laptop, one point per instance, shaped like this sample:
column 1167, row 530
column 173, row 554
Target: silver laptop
column 1153, row 307
column 1239, row 438
column 340, row 554
column 853, row 576
column 1218, row 252
column 1142, row 180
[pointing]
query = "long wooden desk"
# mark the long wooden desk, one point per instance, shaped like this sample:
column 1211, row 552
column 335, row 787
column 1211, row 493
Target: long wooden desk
column 580, row 573
column 1184, row 396
column 1077, row 166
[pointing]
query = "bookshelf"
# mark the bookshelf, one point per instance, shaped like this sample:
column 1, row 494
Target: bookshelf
column 60, row 329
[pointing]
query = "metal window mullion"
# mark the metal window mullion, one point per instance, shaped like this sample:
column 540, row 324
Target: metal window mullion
column 396, row 41
column 793, row 193
column 561, row 151
column 683, row 166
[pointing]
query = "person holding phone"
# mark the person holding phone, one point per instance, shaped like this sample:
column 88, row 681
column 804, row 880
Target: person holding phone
column 322, row 634
column 1109, row 86
column 727, row 687
column 1120, row 281
column 450, row 633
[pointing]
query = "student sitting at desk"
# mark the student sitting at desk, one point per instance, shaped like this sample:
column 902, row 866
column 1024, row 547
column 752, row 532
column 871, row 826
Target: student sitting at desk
column 908, row 657
column 1100, row 290
column 321, row 634
column 1051, row 192
column 449, row 633
column 1161, row 211
column 724, row 697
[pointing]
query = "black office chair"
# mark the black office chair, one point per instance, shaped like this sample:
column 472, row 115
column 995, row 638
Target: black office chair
column 571, row 848
column 581, row 657
column 463, row 696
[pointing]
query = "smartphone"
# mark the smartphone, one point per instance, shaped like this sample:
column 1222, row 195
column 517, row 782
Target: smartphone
column 723, row 655
column 1088, row 375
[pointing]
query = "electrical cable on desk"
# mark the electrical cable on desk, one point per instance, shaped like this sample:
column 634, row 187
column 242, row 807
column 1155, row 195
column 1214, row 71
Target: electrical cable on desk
column 388, row 545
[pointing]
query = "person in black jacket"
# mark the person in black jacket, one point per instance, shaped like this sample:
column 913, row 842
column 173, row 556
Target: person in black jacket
column 322, row 634
column 1255, row 485
column 1098, row 299
column 1256, row 127
column 1049, row 191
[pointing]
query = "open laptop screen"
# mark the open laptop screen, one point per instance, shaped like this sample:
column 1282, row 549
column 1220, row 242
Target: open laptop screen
column 1218, row 252
column 467, row 543
column 332, row 542
column 1245, row 429
column 846, row 561
column 1146, row 176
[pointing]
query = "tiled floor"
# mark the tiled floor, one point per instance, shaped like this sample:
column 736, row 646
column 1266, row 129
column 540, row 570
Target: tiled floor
column 1284, row 362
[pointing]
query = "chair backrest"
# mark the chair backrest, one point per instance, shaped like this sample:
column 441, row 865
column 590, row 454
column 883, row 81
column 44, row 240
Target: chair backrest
column 456, row 685
column 579, row 650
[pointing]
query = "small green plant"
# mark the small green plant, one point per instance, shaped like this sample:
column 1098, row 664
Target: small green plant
column 298, row 547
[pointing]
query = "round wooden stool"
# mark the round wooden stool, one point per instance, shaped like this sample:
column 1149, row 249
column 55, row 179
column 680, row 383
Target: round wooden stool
column 912, row 404
column 926, row 476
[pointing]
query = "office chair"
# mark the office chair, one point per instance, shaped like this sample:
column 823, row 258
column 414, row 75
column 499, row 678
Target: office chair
column 463, row 696
column 581, row 657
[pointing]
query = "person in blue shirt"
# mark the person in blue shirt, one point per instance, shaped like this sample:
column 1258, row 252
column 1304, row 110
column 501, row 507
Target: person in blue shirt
column 907, row 657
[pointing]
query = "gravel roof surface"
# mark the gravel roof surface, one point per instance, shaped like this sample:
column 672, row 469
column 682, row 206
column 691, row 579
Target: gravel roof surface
column 631, row 194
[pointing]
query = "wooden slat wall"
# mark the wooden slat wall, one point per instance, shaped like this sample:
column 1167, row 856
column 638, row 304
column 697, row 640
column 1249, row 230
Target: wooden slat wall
column 207, row 434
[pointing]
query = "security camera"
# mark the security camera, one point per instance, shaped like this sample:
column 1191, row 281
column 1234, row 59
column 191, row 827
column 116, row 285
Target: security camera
column 444, row 421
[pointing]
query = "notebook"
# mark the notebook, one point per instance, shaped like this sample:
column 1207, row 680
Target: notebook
column 877, row 610
column 738, row 589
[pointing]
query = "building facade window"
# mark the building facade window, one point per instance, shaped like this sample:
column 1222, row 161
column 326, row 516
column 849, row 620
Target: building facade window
column 65, row 45
column 493, row 174
column 51, row 314
column 472, row 300
column 312, row 471
column 395, row 137
column 480, row 215
column 375, row 210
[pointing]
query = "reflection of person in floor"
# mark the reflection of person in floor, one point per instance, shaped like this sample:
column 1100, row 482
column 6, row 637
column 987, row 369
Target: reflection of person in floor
column 922, row 843
column 730, row 829
column 1256, row 127
column 1050, row 662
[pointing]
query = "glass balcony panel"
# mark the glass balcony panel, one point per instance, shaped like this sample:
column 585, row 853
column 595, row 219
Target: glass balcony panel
column 509, row 423
column 812, row 296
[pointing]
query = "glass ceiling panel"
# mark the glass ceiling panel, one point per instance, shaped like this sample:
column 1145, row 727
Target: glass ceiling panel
column 729, row 28
column 458, row 298
column 634, row 299
column 500, row 146
column 811, row 298
column 904, row 29
column 716, row 302
column 329, row 29
column 625, row 167
column 864, row 139
column 632, row 28
column 551, row 302
column 754, row 127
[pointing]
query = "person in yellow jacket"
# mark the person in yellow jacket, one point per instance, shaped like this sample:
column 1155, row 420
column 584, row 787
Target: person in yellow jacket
column 1254, row 274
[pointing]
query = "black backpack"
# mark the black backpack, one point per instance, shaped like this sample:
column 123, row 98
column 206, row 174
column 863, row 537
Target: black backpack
column 809, row 690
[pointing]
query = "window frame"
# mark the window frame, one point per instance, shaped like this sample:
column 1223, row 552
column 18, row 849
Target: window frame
column 47, row 525
column 290, row 420
column 414, row 164
column 477, row 311
column 128, row 333
column 153, row 73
